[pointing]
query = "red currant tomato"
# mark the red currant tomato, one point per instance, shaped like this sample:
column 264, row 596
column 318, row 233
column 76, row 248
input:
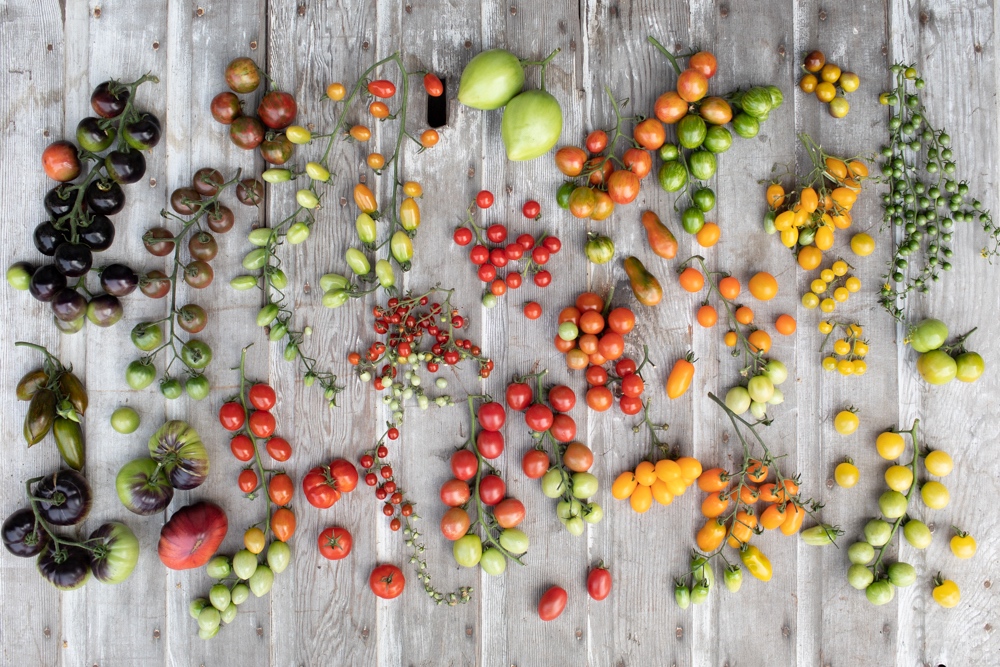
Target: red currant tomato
column 563, row 428
column 393, row 433
column 487, row 273
column 632, row 385
column 526, row 241
column 491, row 416
column 543, row 279
column 484, row 199
column 479, row 254
column 531, row 209
column 279, row 449
column 599, row 583
column 533, row 309
column 262, row 396
column 552, row 244
column 242, row 448
column 496, row 233
column 247, row 481
column 464, row 464
column 463, row 236
column 538, row 417
column 489, row 444
column 231, row 416
column 630, row 405
column 262, row 423
column 455, row 492
column 518, row 395
column 625, row 366
column 540, row 255
column 562, row 398
column 535, row 463
column 491, row 490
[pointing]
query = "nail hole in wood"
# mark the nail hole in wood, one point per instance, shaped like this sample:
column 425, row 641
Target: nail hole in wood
column 365, row 45
column 513, row 10
column 199, row 12
column 152, row 182
column 468, row 43
column 343, row 201
column 822, row 15
column 472, row 172
column 510, row 189
column 579, row 634
column 978, row 48
column 48, row 47
column 988, row 627
column 156, row 634
column 678, row 47
column 362, row 178
column 987, row 584
column 572, row 45
column 97, row 12
column 364, row 633
column 47, row 632
column 829, row 483
column 156, row 45
column 781, row 50
column 924, row 18
column 45, row 133
column 468, row 631
column 679, row 632
column 301, row 9
column 307, row 288
column 437, row 107
column 886, row 629
column 885, row 51
column 253, row 45
column 408, row 9
column 260, row 631
column 786, row 631
column 724, row 11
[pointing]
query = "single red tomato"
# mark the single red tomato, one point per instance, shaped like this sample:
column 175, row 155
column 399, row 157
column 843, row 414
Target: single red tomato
column 632, row 385
column 281, row 489
column 247, row 480
column 387, row 582
column 464, row 464
column 489, row 444
column 509, row 512
column 491, row 416
column 538, row 417
column 518, row 395
column 526, row 241
column 382, row 88
column 242, row 448
column 491, row 490
column 535, row 463
column 563, row 428
column 552, row 244
column 455, row 523
column 599, row 582
column 455, row 492
column 433, row 85
column 278, row 448
column 552, row 604
column 462, row 236
column 597, row 141
column 531, row 209
column 61, row 161
column 543, row 279
column 262, row 423
column 630, row 405
column 484, row 199
column 335, row 543
column 231, row 416
column 562, row 398
column 496, row 233
column 262, row 396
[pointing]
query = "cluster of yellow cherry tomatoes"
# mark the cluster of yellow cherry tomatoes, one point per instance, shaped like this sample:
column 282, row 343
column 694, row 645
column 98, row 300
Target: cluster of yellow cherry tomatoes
column 833, row 286
column 662, row 482
column 823, row 78
column 849, row 351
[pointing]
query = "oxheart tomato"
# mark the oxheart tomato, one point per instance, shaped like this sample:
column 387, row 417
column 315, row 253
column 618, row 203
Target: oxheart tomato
column 387, row 582
column 192, row 536
column 143, row 488
column 319, row 488
column 491, row 416
column 335, row 543
column 262, row 396
column 277, row 110
column 552, row 604
column 599, row 582
column 509, row 512
column 490, row 444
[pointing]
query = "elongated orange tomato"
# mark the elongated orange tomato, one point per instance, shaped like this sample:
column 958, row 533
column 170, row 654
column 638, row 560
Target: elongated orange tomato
column 365, row 199
column 680, row 377
column 773, row 516
column 742, row 529
column 409, row 214
column 661, row 239
column 794, row 515
column 710, row 536
column 713, row 479
column 283, row 524
column 715, row 504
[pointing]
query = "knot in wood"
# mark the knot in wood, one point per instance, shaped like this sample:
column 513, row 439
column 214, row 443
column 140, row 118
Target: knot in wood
column 513, row 10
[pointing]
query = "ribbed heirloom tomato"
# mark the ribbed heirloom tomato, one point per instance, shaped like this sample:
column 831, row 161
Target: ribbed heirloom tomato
column 320, row 488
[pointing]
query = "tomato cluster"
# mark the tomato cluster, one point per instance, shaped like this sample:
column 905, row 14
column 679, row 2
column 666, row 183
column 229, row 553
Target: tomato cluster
column 661, row 481
column 78, row 222
column 495, row 253
column 822, row 78
column 808, row 216
column 940, row 363
column 834, row 281
column 849, row 351
column 379, row 475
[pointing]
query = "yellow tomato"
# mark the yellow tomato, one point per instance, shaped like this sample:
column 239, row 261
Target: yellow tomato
column 935, row 495
column 845, row 367
column 947, row 594
column 827, row 275
column 846, row 474
column 899, row 478
column 667, row 470
column 841, row 294
column 824, row 238
column 830, row 73
column 839, row 267
column 938, row 463
column 890, row 445
column 818, row 286
column 645, row 473
column 839, row 107
column 963, row 545
column 862, row 244
column 860, row 348
column 254, row 540
column 846, row 422
column 660, row 493
column 807, row 84
column 756, row 562
column 860, row 367
column 641, row 499
column 412, row 189
column 624, row 485
column 810, row 300
column 849, row 81
column 841, row 347
column 825, row 91
column 336, row 91
column 829, row 364
column 827, row 305
column 853, row 284
column 825, row 327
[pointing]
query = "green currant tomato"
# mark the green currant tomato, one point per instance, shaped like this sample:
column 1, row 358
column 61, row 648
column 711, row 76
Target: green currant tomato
column 892, row 504
column 970, row 366
column 125, row 420
column 878, row 532
column 553, row 483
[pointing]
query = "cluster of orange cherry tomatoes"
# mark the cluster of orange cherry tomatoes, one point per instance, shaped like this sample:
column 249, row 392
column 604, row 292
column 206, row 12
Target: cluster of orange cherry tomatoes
column 822, row 78
column 661, row 481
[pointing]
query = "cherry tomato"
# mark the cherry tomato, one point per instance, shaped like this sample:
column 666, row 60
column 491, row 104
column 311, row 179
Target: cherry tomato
column 281, row 489
column 625, row 366
column 480, row 254
column 563, row 428
column 538, row 417
column 335, row 543
column 597, row 141
column 247, row 480
column 491, row 490
column 382, row 88
column 429, row 138
column 484, row 199
column 61, row 161
column 599, row 398
column 455, row 523
column 531, row 209
column 491, row 416
column 464, row 464
column 562, row 398
column 552, row 604
column 630, row 405
column 621, row 321
column 433, row 85
column 552, row 244
column 526, row 241
column 518, row 395
column 632, row 385
column 543, row 279
column 278, row 449
column 532, row 310
column 496, row 233
column 262, row 423
column 262, row 396
column 242, row 448
column 578, row 457
column 540, row 255
column 455, row 492
column 489, row 444
column 231, row 416
column 509, row 512
column 599, row 583
column 535, row 463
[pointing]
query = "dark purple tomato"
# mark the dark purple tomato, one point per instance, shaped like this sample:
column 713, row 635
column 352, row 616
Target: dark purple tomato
column 203, row 246
column 46, row 281
column 109, row 99
column 67, row 568
column 104, row 310
column 99, row 233
column 199, row 274
column 125, row 166
column 226, row 108
column 246, row 132
column 159, row 241
column 59, row 201
column 47, row 238
column 119, row 280
column 65, row 498
column 250, row 191
column 104, row 196
column 68, row 305
column 277, row 109
column 206, row 181
column 144, row 133
column 220, row 219
column 92, row 137
column 155, row 284
column 73, row 259
column 277, row 150
column 22, row 535
column 185, row 200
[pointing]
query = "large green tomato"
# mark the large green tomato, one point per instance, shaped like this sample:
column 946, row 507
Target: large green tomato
column 115, row 552
column 532, row 123
column 468, row 550
column 937, row 367
column 490, row 80
column 927, row 335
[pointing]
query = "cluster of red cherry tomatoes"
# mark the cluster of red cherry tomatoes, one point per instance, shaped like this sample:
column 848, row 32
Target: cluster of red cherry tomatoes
column 494, row 251
column 379, row 475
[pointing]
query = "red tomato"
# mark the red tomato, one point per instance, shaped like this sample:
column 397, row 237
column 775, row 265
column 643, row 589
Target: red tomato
column 344, row 475
column 489, row 444
column 433, row 85
column 599, row 398
column 563, row 428
column 599, row 582
column 479, row 254
column 570, row 160
column 704, row 62
column 518, row 395
column 278, row 448
column 382, row 88
column 630, row 405
column 526, row 241
column 632, row 385
column 487, row 273
column 262, row 423
column 280, row 489
column 455, row 492
column 552, row 244
column 61, row 161
column 283, row 524
column 531, row 209
column 535, row 463
column 484, row 199
column 496, row 233
column 543, row 279
column 231, row 416
column 638, row 162
column 532, row 310
column 455, row 523
column 319, row 488
column 277, row 109
column 623, row 186
column 247, row 480
column 552, row 604
column 538, row 417
column 514, row 251
column 387, row 582
column 491, row 490
column 625, row 366
column 262, row 396
column 463, row 236
column 242, row 448
column 597, row 376
column 335, row 543
column 562, row 398
column 540, row 255
column 597, row 141
column 509, row 512
column 491, row 416
column 621, row 320
column 498, row 256
column 650, row 133
column 464, row 464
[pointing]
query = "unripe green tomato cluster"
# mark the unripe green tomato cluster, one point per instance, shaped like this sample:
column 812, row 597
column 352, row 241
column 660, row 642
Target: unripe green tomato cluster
column 938, row 364
column 761, row 391
column 254, row 577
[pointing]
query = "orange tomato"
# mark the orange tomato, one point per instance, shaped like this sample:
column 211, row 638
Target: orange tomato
column 744, row 315
column 747, row 494
column 844, row 198
column 638, row 162
column 569, row 314
column 767, row 493
column 621, row 320
column 591, row 322
column 429, row 138
column 690, row 469
column 836, row 168
column 759, row 341
column 742, row 529
column 785, row 325
column 775, row 195
column 704, row 62
column 763, row 286
column 756, row 471
column 794, row 515
column 564, row 345
column 283, row 524
column 624, row 485
column 692, row 85
column 810, row 257
column 360, row 133
column 713, row 479
column 729, row 287
column 597, row 359
column 715, row 504
column 710, row 536
column 650, row 134
column 772, row 517
column 730, row 339
column 281, row 489
column 589, row 301
column 707, row 317
column 669, row 107
column 587, row 343
column 691, row 279
column 577, row 359
column 375, row 160
column 365, row 198
column 611, row 345
column 680, row 378
column 379, row 110
column 808, row 200
column 709, row 235
column 600, row 398
column 858, row 169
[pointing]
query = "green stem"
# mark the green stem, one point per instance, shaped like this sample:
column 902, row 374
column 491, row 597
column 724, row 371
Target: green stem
column 662, row 49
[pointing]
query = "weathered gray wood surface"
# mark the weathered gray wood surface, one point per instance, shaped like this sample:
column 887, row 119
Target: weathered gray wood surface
column 321, row 612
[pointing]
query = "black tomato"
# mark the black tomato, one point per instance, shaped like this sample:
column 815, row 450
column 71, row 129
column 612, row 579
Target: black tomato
column 206, row 181
column 277, row 150
column 203, row 246
column 92, row 137
column 246, row 132
column 99, row 233
column 125, row 166
column 192, row 318
column 155, row 284
column 250, row 191
column 104, row 196
column 159, row 241
column 73, row 259
column 68, row 305
column 104, row 310
column 109, row 99
column 144, row 133
column 47, row 238
column 119, row 280
column 185, row 200
column 221, row 219
column 59, row 201
column 67, row 568
column 65, row 498
column 46, row 281
column 21, row 534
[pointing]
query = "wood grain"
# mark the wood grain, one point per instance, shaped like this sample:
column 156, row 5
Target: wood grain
column 321, row 611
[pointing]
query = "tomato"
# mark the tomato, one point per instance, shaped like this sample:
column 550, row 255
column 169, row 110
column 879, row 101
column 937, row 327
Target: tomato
column 247, row 480
column 785, row 325
column 429, row 138
column 262, row 396
column 578, row 457
column 552, row 603
column 756, row 562
column 491, row 490
column 704, row 62
column 280, row 489
column 278, row 448
column 490, row 444
column 937, row 367
column 570, row 160
column 262, row 423
column 491, row 416
column 692, row 84
column 382, row 88
column 599, row 583
column 611, row 345
column 61, row 161
column 433, row 85
column 562, row 398
column 518, row 396
column 455, row 523
column 846, row 422
column 538, row 417
column 563, row 428
column 484, row 200
column 535, row 463
column 455, row 492
column 387, row 582
column 680, row 378
column 582, row 202
column 335, row 543
column 542, row 279
column 319, row 488
column 707, row 316
column 938, row 463
column 763, row 286
column 946, row 593
column 509, row 512
column 277, row 109
column 710, row 535
column 650, row 134
column 283, row 524
column 963, row 545
column 935, row 495
column 846, row 474
column 231, row 416
column 691, row 279
column 242, row 448
column 596, row 141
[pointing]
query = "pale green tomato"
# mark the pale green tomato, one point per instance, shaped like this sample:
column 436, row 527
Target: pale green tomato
column 297, row 233
column 738, row 400
column 758, row 410
column 279, row 555
column 261, row 236
column 877, row 532
column 240, row 593
column 244, row 564
column 490, row 80
column 880, row 592
column 860, row 553
column 329, row 281
column 276, row 175
column 317, row 172
column 575, row 526
column 125, row 420
column 209, row 619
column 917, row 534
column 306, row 199
column 553, row 483
column 218, row 567
column 493, row 562
column 513, row 540
column 902, row 574
column 859, row 576
column 229, row 614
column 531, row 125
column 468, row 550
column 261, row 581
column 777, row 398
column 219, row 596
column 892, row 504
column 760, row 388
column 776, row 371
column 584, row 485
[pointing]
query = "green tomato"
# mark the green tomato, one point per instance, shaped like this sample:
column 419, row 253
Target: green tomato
column 917, row 534
column 937, row 367
column 306, row 199
column 147, row 336
column 240, row 593
column 171, row 388
column 357, row 261
column 776, row 371
column 208, row 634
column 563, row 194
column 756, row 102
column 575, row 526
column 279, row 555
column 489, row 300
column 877, row 532
column 692, row 219
column 278, row 331
column 738, row 400
column 244, row 564
column 672, row 176
column 513, row 540
column 125, row 420
column 599, row 249
column 335, row 298
column 777, row 97
column 219, row 567
column 682, row 596
column 553, row 483
column 19, row 275
column 567, row 509
column 902, row 574
column 219, row 596
column 277, row 277
column 859, row 576
column 806, row 236
column 384, row 273
column 267, row 314
column 197, row 387
column 317, row 172
column 365, row 227
column 531, row 125
column 261, row 581
column 593, row 513
column 704, row 199
column 401, row 248
column 255, row 259
column 820, row 535
column 261, row 236
column 777, row 398
column 691, row 131
column 493, row 562
column 699, row 593
column 669, row 152
column 880, row 592
column 760, row 388
column 718, row 139
column 702, row 570
column 746, row 126
column 702, row 165
column 584, row 485
column 769, row 218
column 275, row 175
column 468, row 550
column 139, row 374
column 490, row 80
column 229, row 614
column 860, row 553
column 298, row 232
column 927, row 335
column 209, row 618
column 196, row 354
column 195, row 607
column 758, row 410
column 329, row 281
column 568, row 331
column 733, row 578
column 243, row 283
column 892, row 504
column 970, row 366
